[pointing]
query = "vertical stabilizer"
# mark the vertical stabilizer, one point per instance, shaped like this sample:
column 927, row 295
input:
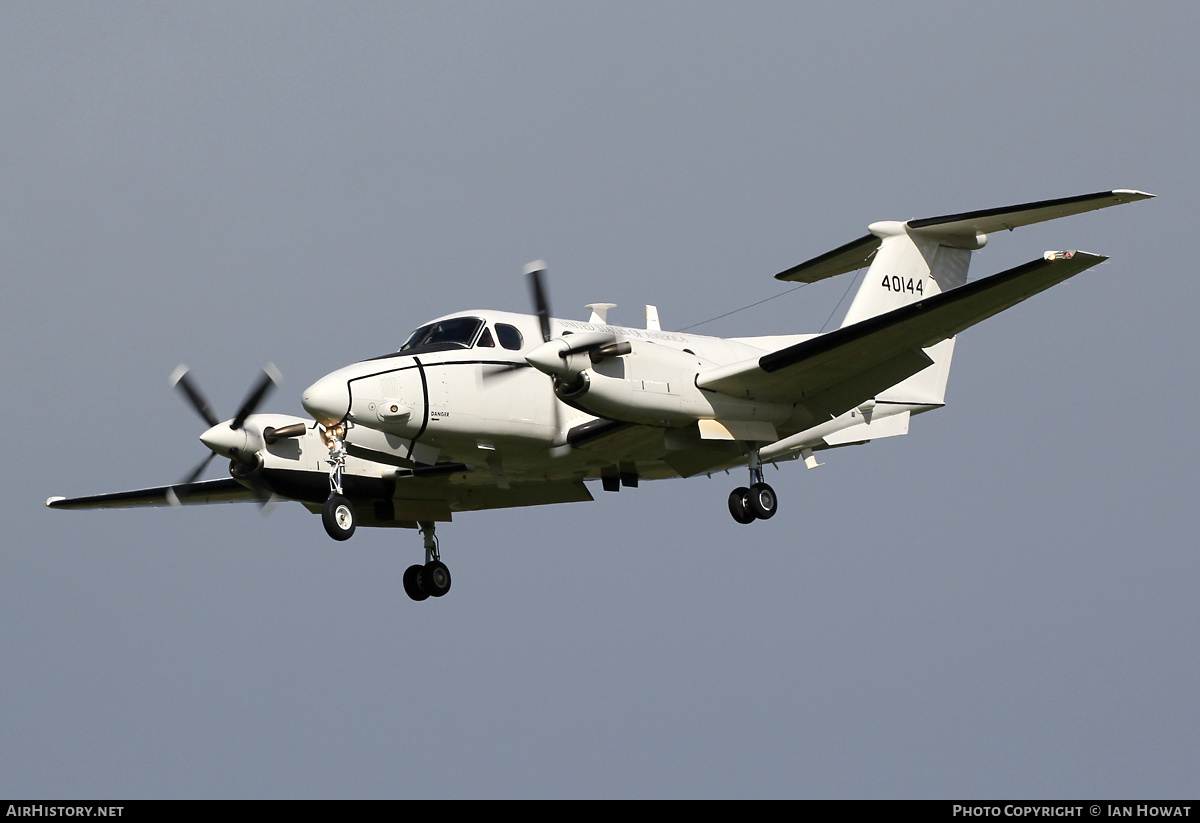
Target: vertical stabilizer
column 911, row 265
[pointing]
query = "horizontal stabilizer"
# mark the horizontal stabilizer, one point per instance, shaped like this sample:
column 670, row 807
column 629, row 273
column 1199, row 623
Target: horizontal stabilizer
column 850, row 257
column 1025, row 214
column 967, row 225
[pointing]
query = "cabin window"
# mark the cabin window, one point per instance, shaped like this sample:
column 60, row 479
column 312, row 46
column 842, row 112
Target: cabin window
column 509, row 336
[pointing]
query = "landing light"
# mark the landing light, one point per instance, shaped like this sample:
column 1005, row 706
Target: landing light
column 330, row 435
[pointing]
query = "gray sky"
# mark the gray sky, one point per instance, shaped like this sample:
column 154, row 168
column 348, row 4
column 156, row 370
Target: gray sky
column 1001, row 604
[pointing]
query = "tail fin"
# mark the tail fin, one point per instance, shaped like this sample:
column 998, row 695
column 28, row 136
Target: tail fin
column 913, row 260
column 911, row 265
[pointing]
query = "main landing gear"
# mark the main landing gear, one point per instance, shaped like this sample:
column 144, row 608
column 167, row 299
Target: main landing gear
column 757, row 502
column 432, row 579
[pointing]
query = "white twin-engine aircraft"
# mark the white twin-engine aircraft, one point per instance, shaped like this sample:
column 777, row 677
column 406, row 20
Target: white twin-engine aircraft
column 488, row 409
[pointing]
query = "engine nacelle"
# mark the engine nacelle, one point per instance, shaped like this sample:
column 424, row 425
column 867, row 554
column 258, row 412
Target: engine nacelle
column 653, row 384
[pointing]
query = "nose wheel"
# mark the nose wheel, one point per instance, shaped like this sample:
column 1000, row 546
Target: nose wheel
column 337, row 515
column 758, row 501
column 431, row 579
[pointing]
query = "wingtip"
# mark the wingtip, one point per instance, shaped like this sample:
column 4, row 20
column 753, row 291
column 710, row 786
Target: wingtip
column 1074, row 253
column 1129, row 195
column 50, row 501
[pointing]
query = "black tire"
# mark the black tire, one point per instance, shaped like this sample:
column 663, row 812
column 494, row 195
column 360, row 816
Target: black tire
column 435, row 578
column 738, row 505
column 338, row 517
column 762, row 501
column 412, row 583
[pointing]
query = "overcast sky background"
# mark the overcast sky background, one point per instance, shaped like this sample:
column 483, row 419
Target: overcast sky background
column 1001, row 604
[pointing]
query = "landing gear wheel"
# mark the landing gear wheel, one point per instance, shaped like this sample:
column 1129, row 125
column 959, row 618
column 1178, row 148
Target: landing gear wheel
column 762, row 502
column 435, row 578
column 338, row 517
column 412, row 583
column 739, row 505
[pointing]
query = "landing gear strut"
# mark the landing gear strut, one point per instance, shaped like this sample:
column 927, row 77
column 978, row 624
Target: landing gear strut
column 758, row 502
column 337, row 515
column 432, row 579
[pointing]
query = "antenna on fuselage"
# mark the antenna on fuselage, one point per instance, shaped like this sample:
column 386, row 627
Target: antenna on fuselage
column 600, row 312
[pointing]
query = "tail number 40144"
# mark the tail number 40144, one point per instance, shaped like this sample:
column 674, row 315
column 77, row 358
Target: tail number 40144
column 896, row 283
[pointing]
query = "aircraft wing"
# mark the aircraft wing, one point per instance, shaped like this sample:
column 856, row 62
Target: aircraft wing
column 839, row 370
column 221, row 490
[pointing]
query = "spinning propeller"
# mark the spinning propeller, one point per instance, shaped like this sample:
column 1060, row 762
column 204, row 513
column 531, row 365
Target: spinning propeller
column 555, row 356
column 598, row 345
column 565, row 358
column 541, row 307
column 231, row 439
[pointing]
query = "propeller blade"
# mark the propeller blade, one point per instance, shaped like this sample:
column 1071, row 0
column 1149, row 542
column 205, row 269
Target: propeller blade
column 540, row 304
column 262, row 493
column 181, row 380
column 492, row 370
column 270, row 378
column 179, row 492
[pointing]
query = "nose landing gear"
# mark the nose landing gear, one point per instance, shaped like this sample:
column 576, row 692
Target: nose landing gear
column 758, row 502
column 337, row 515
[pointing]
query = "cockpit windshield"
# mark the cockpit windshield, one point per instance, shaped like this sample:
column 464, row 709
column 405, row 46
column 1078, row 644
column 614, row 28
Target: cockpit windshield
column 457, row 331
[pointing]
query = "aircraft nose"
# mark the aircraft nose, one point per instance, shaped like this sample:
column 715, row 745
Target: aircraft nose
column 327, row 400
